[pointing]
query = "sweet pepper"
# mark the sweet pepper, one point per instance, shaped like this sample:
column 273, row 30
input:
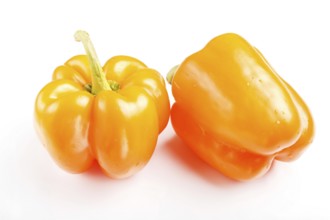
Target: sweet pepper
column 112, row 115
column 235, row 112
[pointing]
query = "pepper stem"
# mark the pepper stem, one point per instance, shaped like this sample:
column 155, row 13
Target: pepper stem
column 99, row 81
column 170, row 74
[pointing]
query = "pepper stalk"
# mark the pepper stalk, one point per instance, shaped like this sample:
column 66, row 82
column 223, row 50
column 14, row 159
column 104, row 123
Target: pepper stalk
column 170, row 74
column 99, row 81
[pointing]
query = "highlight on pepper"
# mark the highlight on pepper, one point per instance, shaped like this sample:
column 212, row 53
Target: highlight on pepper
column 243, row 115
column 111, row 115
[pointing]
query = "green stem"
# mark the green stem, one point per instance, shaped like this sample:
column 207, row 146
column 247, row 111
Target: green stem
column 170, row 74
column 99, row 81
column 113, row 85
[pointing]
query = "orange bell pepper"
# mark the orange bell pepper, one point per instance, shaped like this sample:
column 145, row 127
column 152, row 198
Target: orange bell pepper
column 112, row 114
column 235, row 112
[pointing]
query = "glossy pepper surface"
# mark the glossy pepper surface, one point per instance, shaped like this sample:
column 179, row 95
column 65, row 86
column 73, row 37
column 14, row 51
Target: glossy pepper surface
column 235, row 112
column 112, row 115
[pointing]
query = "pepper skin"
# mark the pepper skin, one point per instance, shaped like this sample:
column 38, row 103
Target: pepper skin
column 235, row 112
column 117, row 127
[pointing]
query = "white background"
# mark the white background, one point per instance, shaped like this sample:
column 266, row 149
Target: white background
column 37, row 36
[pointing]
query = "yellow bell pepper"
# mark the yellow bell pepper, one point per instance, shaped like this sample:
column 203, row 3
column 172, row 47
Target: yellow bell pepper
column 112, row 114
column 235, row 112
